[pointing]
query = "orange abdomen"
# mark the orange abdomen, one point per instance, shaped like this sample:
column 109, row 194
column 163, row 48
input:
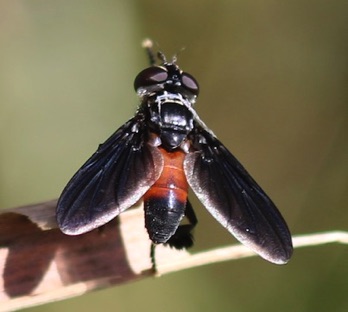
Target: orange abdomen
column 165, row 201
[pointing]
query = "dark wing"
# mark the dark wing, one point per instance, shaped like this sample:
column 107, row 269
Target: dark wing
column 232, row 196
column 115, row 177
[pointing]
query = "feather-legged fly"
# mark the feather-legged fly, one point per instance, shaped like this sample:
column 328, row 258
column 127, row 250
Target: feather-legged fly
column 157, row 155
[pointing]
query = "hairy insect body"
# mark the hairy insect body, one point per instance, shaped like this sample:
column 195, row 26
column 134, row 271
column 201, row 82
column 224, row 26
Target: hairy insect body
column 165, row 201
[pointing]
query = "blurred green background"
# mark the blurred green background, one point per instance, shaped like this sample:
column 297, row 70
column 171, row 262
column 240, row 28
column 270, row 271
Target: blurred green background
column 273, row 77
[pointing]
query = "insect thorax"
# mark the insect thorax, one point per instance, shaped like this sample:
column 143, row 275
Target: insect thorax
column 171, row 119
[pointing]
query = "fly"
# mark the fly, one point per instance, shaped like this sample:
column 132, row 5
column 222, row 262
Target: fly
column 157, row 155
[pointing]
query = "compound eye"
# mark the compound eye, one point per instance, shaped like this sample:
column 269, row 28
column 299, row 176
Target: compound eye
column 190, row 83
column 150, row 76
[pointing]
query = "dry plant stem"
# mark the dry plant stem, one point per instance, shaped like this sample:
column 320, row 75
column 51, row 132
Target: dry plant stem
column 239, row 251
column 39, row 264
